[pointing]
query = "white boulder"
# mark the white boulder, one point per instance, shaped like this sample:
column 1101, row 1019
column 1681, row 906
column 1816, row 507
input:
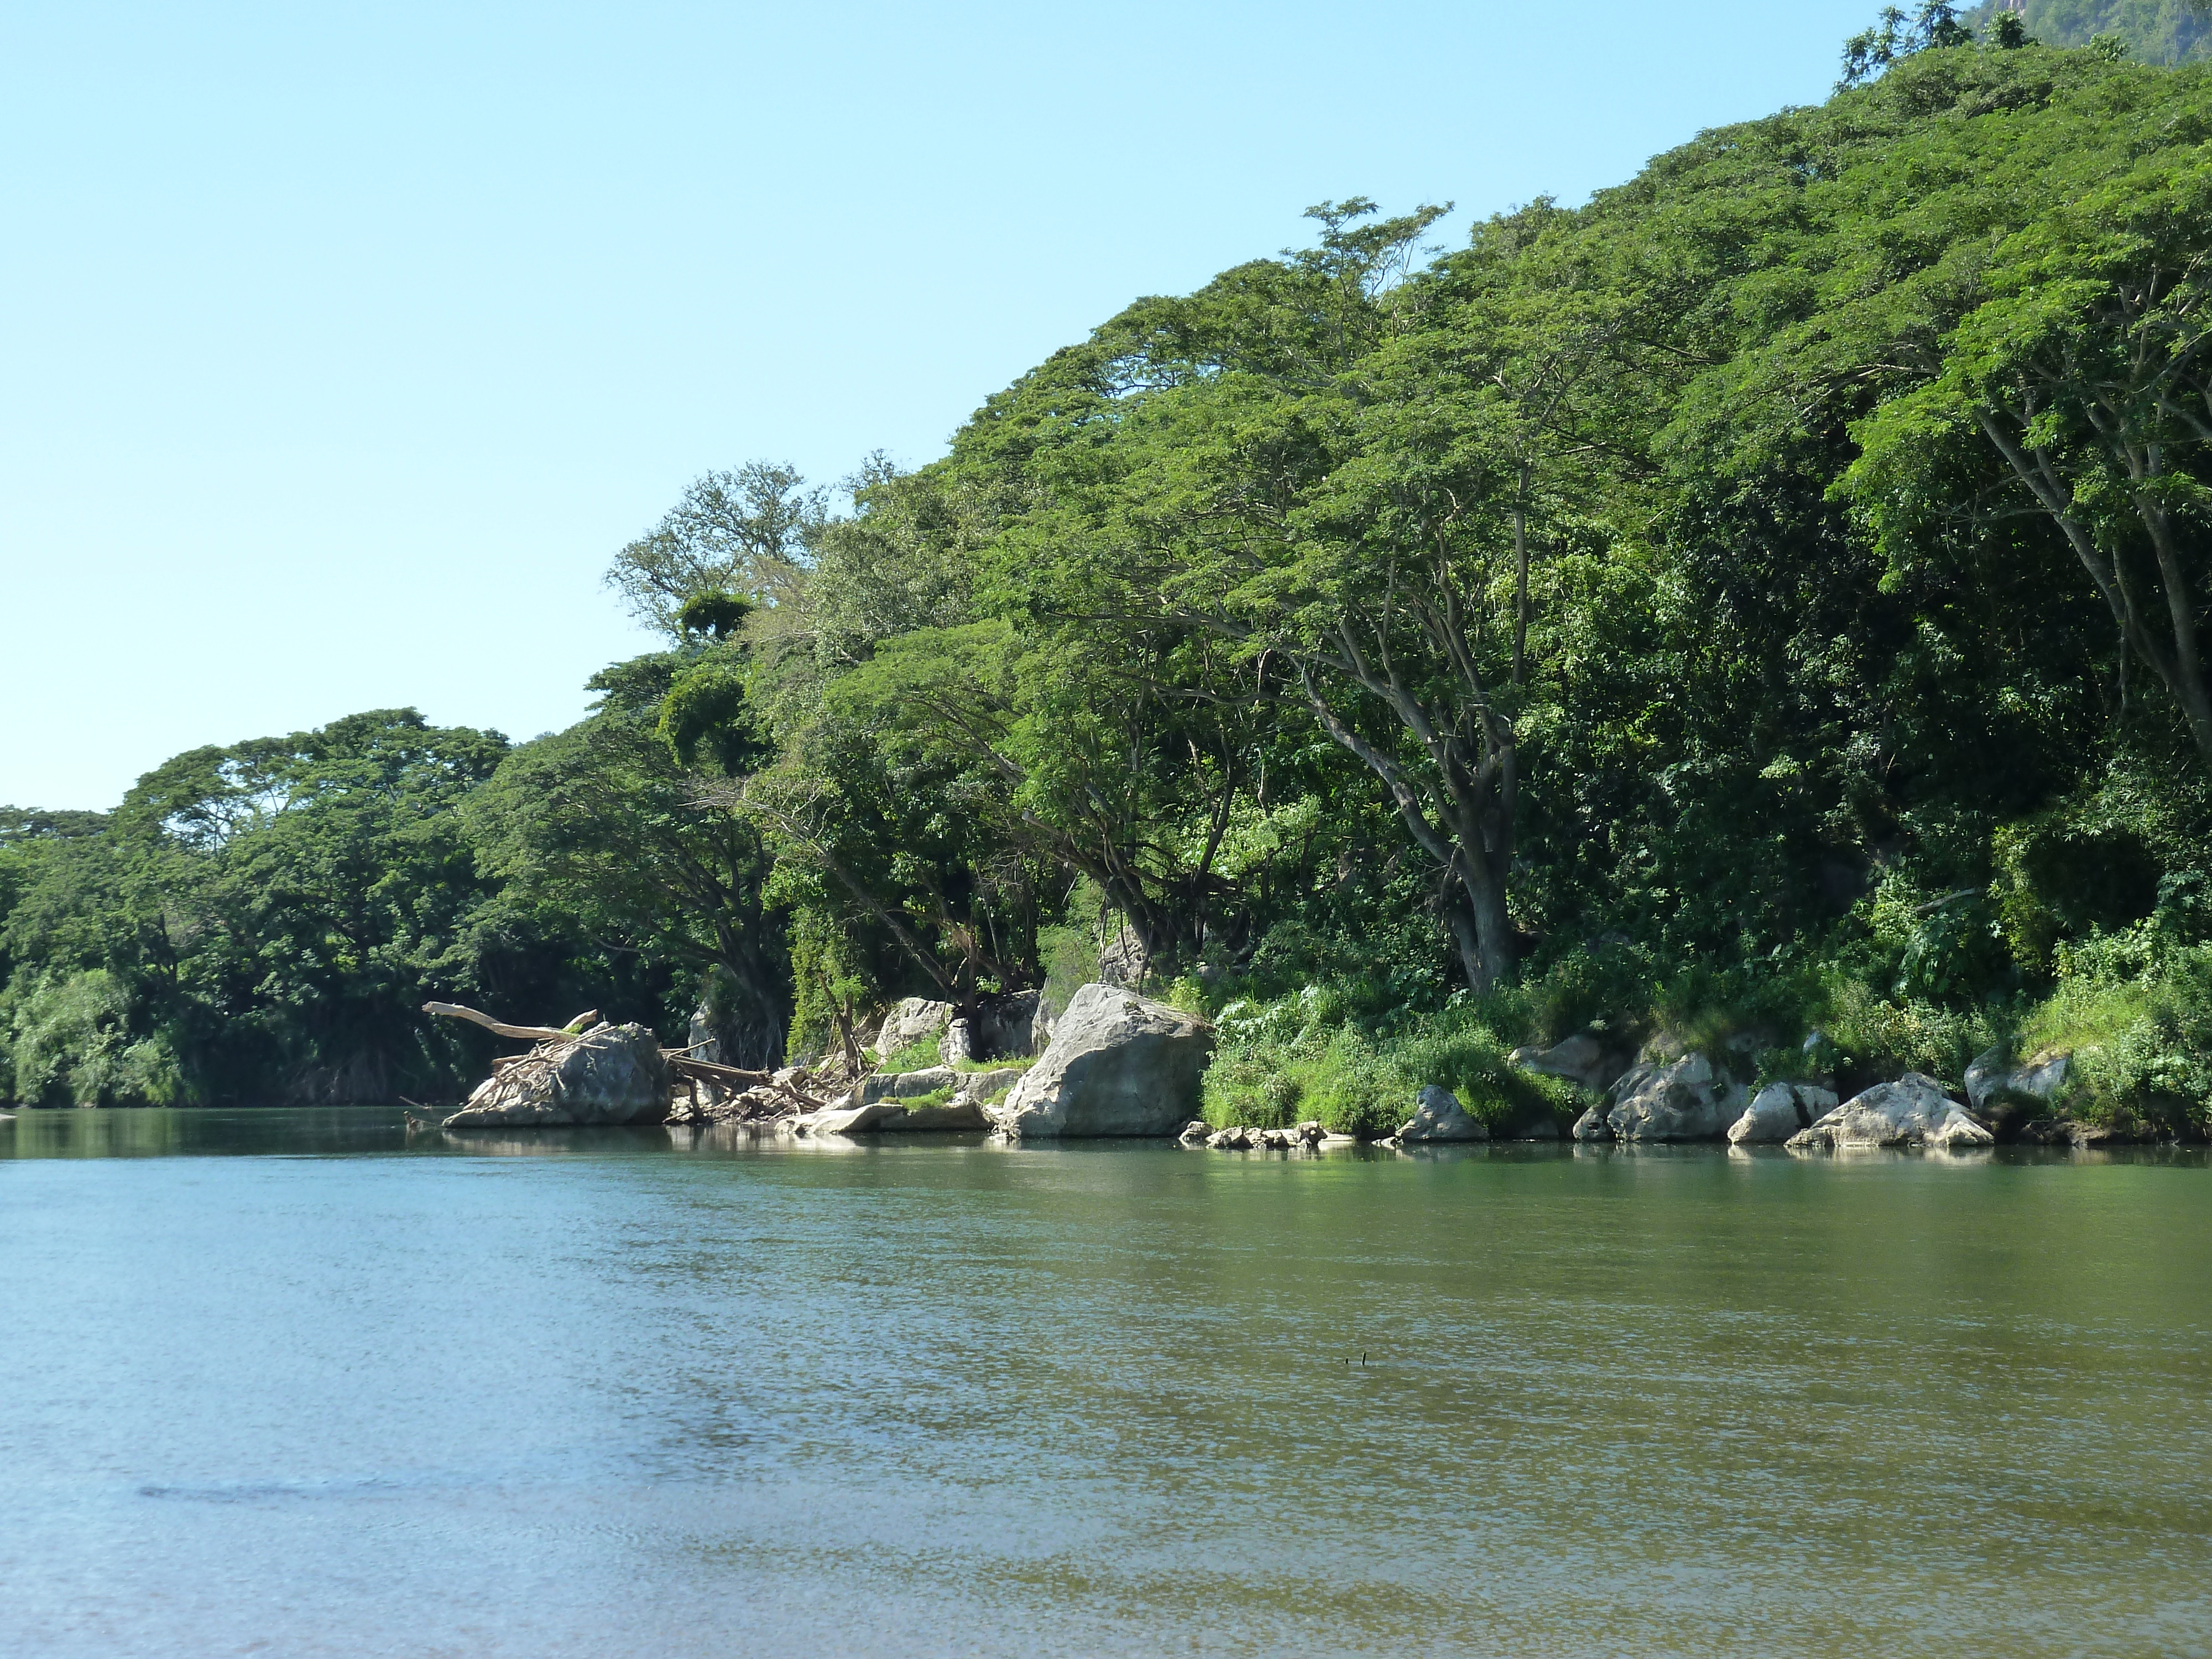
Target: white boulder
column 1438, row 1116
column 1682, row 1099
column 1118, row 1064
column 609, row 1074
column 1913, row 1111
column 1780, row 1111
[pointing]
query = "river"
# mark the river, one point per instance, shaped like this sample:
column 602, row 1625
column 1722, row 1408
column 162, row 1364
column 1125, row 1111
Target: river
column 294, row 1382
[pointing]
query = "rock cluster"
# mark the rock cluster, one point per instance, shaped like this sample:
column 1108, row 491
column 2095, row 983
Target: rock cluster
column 1239, row 1138
column 995, row 1028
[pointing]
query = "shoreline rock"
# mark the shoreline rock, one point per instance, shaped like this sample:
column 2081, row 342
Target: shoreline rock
column 1683, row 1099
column 1780, row 1111
column 609, row 1074
column 1118, row 1064
column 1438, row 1116
column 1913, row 1111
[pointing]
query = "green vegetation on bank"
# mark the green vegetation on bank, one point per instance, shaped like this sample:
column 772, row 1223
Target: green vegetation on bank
column 1761, row 604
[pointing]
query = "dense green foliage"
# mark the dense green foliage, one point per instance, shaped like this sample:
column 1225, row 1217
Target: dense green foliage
column 2153, row 31
column 1763, row 602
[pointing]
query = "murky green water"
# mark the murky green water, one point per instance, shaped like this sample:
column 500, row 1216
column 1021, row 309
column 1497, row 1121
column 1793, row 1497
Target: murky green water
column 307, row 1387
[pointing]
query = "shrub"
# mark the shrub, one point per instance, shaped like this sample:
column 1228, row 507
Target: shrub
column 1303, row 1056
column 71, row 1044
column 2136, row 1016
column 1875, row 1037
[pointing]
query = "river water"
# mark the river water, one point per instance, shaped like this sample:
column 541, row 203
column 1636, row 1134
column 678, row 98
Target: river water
column 293, row 1383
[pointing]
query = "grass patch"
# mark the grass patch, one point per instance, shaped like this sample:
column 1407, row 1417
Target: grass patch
column 1297, row 1058
column 918, row 1056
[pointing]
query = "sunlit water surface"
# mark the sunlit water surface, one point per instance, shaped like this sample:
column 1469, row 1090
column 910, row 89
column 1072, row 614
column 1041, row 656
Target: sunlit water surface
column 291, row 1382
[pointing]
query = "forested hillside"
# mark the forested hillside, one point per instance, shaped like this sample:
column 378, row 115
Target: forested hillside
column 2153, row 31
column 1763, row 601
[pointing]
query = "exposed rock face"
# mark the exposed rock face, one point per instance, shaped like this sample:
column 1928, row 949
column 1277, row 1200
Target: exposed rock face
column 915, row 1020
column 1010, row 1027
column 1683, row 1099
column 989, row 1085
column 703, row 1043
column 1780, row 1111
column 1582, row 1059
column 1592, row 1125
column 892, row 1117
column 609, row 1074
column 1913, row 1111
column 904, row 1086
column 1438, row 1116
column 2042, row 1077
column 1122, row 956
column 1118, row 1064
column 2006, row 1097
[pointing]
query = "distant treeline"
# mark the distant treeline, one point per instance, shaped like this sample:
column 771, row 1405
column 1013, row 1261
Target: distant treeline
column 1767, row 596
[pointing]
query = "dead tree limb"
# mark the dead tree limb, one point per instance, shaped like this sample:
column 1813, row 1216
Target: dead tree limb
column 498, row 1028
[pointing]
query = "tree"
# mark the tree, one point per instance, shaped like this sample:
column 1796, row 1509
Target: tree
column 1871, row 50
column 2037, row 297
column 602, row 830
column 743, row 532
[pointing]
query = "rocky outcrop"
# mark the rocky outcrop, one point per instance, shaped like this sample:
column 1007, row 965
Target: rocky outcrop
column 2016, row 1099
column 1438, row 1116
column 990, row 1085
column 1683, row 1099
column 904, row 1086
column 1582, row 1060
column 1780, row 1111
column 917, row 1020
column 1118, row 1064
column 1913, row 1111
column 609, row 1074
column 1012, row 1027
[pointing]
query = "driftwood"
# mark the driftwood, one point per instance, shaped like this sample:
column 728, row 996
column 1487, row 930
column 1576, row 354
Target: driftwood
column 680, row 1060
column 705, row 1071
column 499, row 1028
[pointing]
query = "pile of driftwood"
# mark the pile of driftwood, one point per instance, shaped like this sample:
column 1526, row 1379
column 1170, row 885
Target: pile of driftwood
column 713, row 1092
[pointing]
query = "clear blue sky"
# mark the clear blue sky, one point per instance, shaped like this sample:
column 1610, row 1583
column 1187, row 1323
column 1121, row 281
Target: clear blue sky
column 342, row 346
